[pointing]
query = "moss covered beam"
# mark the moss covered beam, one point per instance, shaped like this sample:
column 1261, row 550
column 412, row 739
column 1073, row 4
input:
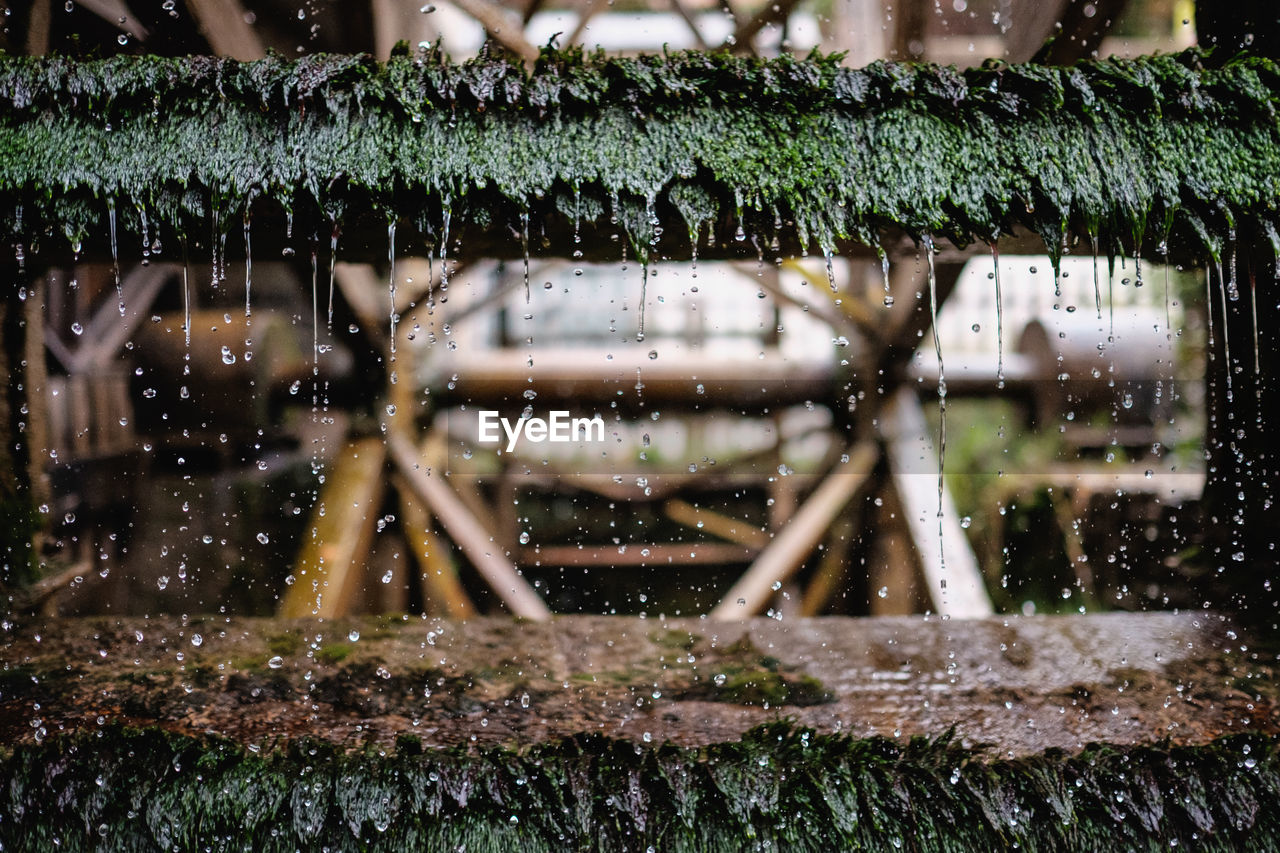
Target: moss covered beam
column 645, row 155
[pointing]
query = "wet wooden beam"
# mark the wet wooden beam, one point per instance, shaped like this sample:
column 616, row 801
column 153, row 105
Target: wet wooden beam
column 467, row 532
column 794, row 542
column 952, row 579
column 329, row 572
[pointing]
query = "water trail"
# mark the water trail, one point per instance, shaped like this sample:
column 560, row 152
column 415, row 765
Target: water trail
column 942, row 389
column 1226, row 341
column 248, row 262
column 186, row 293
column 884, row 270
column 644, row 286
column 391, row 281
column 1208, row 307
column 444, row 247
column 142, row 230
column 693, row 247
column 995, row 266
column 1111, row 300
column 315, row 310
column 1168, row 315
column 115, row 256
column 524, row 249
column 831, row 272
column 333, row 261
column 1253, row 307
column 1097, row 291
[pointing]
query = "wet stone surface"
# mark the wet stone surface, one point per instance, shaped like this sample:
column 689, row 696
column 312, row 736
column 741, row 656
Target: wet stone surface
column 1018, row 684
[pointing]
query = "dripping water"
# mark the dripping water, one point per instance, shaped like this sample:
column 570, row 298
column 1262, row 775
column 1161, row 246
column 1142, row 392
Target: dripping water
column 1253, row 308
column 248, row 262
column 444, row 247
column 391, row 281
column 1097, row 290
column 644, row 286
column 315, row 311
column 333, row 261
column 942, row 389
column 884, row 270
column 115, row 257
column 1226, row 341
column 831, row 272
column 186, row 295
column 995, row 274
column 524, row 249
column 142, row 229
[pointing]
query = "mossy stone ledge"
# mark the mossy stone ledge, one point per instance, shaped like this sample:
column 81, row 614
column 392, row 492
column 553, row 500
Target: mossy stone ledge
column 1165, row 153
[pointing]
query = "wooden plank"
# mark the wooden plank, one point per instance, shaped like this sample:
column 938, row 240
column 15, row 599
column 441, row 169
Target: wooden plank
column 328, row 573
column 635, row 554
column 952, row 579
column 441, row 587
column 833, row 569
column 107, row 331
column 726, row 527
column 467, row 532
column 793, row 543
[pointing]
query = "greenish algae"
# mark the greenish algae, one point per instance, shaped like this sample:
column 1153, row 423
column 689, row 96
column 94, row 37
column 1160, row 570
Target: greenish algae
column 779, row 788
column 1142, row 152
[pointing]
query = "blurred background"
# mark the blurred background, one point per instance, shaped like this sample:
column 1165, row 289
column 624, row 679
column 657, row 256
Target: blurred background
column 759, row 458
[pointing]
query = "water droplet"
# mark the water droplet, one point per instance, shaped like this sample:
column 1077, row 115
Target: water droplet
column 276, row 662
column 122, row 39
column 264, row 538
column 197, row 640
column 354, row 635
column 524, row 537
column 77, row 329
column 228, row 357
column 965, row 522
column 653, row 353
column 386, row 578
column 883, row 592
column 720, row 679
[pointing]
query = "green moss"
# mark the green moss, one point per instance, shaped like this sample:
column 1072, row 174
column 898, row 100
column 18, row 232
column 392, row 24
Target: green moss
column 778, row 788
column 334, row 653
column 288, row 643
column 804, row 152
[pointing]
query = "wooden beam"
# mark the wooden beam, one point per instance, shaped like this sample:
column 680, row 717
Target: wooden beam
column 952, row 579
column 223, row 24
column 789, row 548
column 467, row 532
column 441, row 586
column 726, row 527
column 833, row 569
column 327, row 573
column 108, row 330
column 635, row 554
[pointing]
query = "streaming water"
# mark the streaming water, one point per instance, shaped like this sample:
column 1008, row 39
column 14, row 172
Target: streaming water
column 115, row 255
column 942, row 389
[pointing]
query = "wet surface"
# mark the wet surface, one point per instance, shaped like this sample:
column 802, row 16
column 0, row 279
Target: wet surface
column 1018, row 684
